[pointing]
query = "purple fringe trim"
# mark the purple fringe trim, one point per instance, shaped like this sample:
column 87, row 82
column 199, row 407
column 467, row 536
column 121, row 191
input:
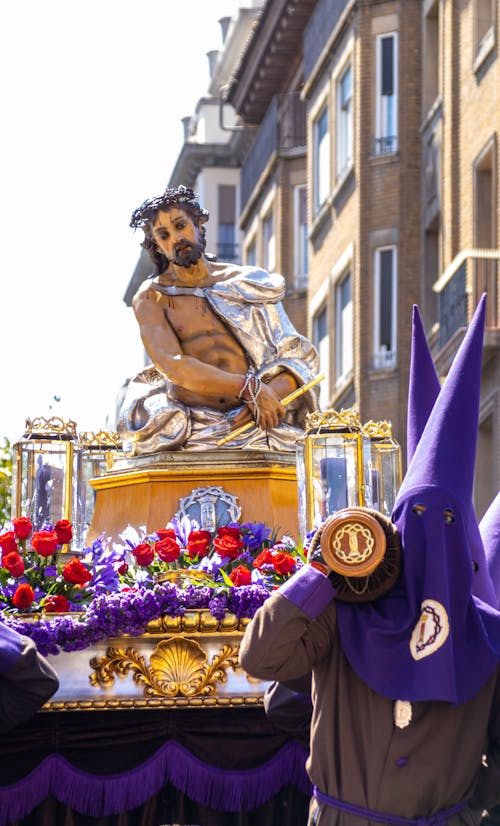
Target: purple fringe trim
column 102, row 795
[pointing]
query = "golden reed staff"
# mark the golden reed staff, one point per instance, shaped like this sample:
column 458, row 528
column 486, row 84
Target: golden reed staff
column 285, row 400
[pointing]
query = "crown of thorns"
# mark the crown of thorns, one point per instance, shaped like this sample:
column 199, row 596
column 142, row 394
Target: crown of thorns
column 181, row 196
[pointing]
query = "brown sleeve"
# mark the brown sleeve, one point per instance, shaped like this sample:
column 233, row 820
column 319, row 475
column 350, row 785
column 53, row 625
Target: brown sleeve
column 26, row 686
column 283, row 643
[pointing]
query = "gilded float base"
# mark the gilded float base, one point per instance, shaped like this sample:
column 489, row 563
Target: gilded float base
column 146, row 490
column 189, row 661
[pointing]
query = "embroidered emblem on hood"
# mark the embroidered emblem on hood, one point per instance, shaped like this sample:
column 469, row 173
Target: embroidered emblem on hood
column 431, row 631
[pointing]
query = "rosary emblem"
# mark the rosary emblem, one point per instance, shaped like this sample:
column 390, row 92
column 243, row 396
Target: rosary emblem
column 431, row 631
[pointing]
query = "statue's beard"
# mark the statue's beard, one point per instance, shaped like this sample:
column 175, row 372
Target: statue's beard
column 187, row 254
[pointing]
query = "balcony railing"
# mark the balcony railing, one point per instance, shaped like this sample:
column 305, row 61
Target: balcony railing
column 386, row 145
column 470, row 274
column 228, row 252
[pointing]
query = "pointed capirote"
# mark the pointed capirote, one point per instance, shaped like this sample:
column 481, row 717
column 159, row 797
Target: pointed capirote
column 489, row 528
column 436, row 634
column 446, row 452
column 423, row 388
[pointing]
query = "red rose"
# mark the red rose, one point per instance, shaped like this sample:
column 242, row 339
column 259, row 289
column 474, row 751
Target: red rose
column 283, row 563
column 8, row 542
column 123, row 568
column 227, row 530
column 75, row 572
column 240, row 576
column 45, row 542
column 166, row 533
column 22, row 527
column 13, row 563
column 64, row 531
column 23, row 596
column 198, row 543
column 56, row 604
column 167, row 549
column 264, row 558
column 228, row 545
column 144, row 554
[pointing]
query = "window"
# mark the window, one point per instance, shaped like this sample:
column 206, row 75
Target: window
column 300, row 237
column 321, row 159
column 431, row 56
column 385, row 308
column 484, row 198
column 344, row 330
column 486, row 270
column 269, row 243
column 432, row 271
column 226, row 232
column 486, row 479
column 251, row 254
column 484, row 22
column 321, row 340
column 344, row 122
column 386, row 138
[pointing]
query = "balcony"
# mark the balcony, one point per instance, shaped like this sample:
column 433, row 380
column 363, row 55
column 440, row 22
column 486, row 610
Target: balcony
column 385, row 146
column 283, row 128
column 470, row 274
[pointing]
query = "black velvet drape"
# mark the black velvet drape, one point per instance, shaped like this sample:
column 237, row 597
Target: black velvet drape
column 109, row 742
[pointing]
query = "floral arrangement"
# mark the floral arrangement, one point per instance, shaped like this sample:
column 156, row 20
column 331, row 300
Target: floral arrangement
column 30, row 576
column 116, row 588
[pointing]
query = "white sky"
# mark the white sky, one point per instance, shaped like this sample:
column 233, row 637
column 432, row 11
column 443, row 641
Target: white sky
column 91, row 95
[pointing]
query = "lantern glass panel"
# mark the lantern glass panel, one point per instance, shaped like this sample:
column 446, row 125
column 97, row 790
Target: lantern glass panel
column 93, row 464
column 385, row 470
column 332, row 472
column 44, row 480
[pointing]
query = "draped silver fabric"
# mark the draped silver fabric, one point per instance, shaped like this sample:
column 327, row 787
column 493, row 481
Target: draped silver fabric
column 249, row 302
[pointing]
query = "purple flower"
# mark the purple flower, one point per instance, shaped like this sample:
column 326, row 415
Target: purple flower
column 255, row 534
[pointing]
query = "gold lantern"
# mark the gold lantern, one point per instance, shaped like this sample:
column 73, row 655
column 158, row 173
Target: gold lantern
column 45, row 464
column 385, row 465
column 333, row 467
column 97, row 452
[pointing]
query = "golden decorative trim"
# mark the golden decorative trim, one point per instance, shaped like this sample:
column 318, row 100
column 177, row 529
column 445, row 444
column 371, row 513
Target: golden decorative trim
column 177, row 666
column 333, row 420
column 102, row 439
column 377, row 430
column 159, row 702
column 111, row 480
column 196, row 620
column 53, row 428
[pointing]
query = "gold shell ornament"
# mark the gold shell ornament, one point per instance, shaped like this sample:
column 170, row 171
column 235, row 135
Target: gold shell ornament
column 177, row 667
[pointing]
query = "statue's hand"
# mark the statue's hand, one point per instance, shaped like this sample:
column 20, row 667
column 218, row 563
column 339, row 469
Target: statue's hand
column 271, row 411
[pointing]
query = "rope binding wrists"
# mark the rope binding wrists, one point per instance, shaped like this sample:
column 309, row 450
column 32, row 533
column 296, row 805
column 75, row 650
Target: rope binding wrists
column 249, row 394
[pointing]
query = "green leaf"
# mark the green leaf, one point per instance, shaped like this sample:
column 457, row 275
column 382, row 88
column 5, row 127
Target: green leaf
column 225, row 577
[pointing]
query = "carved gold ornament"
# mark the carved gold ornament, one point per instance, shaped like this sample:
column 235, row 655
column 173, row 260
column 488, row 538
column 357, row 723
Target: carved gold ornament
column 353, row 543
column 177, row 667
column 53, row 428
column 378, row 430
column 343, row 420
column 102, row 439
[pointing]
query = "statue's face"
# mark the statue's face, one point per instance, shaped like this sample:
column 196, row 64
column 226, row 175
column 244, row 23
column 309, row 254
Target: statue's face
column 178, row 237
